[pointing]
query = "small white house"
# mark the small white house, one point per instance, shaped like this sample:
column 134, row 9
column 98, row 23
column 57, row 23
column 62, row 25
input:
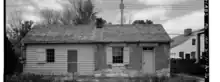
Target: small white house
column 186, row 46
column 84, row 49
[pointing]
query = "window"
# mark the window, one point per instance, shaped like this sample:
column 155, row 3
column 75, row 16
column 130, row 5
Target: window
column 181, row 55
column 187, row 56
column 193, row 55
column 193, row 41
column 50, row 55
column 117, row 53
column 173, row 54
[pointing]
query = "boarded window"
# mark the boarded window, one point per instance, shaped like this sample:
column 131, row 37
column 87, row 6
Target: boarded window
column 117, row 53
column 50, row 55
column 193, row 55
column 193, row 41
column 181, row 55
column 40, row 55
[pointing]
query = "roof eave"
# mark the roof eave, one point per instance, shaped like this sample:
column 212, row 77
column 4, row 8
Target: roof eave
column 78, row 42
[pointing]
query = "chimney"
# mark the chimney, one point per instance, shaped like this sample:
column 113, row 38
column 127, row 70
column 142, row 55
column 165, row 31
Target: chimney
column 99, row 23
column 187, row 31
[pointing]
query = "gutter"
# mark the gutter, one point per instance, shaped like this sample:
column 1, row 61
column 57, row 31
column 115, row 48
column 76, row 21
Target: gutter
column 75, row 42
column 198, row 46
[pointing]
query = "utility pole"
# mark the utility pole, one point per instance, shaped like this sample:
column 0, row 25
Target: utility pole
column 122, row 12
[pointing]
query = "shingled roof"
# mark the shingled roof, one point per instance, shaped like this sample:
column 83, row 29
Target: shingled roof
column 88, row 33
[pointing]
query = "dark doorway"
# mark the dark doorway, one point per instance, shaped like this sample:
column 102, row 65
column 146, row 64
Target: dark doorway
column 72, row 61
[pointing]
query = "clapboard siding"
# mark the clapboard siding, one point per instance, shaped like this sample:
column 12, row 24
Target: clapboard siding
column 85, row 59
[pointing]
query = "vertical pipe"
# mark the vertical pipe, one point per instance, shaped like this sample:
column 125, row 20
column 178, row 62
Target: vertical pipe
column 198, row 47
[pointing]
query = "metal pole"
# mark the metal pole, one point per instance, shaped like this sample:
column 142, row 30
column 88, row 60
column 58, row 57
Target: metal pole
column 122, row 12
column 122, row 17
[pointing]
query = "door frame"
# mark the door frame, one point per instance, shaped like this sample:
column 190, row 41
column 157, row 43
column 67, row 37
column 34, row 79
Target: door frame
column 153, row 53
column 77, row 67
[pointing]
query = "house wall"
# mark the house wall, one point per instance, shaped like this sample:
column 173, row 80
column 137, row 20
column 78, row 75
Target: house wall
column 162, row 56
column 135, row 57
column 90, row 58
column 85, row 59
column 135, row 63
column 100, row 57
column 187, row 47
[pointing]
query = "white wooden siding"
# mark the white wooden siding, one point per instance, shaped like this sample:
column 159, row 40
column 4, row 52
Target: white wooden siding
column 85, row 59
column 187, row 47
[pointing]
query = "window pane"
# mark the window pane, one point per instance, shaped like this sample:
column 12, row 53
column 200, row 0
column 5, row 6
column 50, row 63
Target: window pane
column 193, row 55
column 117, row 54
column 193, row 41
column 50, row 55
column 181, row 54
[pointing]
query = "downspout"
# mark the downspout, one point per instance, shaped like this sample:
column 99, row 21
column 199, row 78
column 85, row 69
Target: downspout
column 22, row 58
column 95, row 57
column 198, row 47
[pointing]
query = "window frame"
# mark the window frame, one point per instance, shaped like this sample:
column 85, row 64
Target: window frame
column 193, row 41
column 50, row 55
column 181, row 54
column 119, row 58
column 193, row 53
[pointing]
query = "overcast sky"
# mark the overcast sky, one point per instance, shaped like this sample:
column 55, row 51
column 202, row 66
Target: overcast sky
column 174, row 15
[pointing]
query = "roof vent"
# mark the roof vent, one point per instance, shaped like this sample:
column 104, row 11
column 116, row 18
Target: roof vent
column 187, row 31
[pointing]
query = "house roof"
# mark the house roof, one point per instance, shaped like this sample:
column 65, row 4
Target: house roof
column 183, row 38
column 88, row 33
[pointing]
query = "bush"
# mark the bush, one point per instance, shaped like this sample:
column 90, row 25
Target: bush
column 34, row 78
column 187, row 66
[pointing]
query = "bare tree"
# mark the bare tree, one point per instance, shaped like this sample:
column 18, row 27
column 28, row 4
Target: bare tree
column 17, row 29
column 78, row 12
column 51, row 16
column 68, row 16
column 85, row 12
column 14, row 22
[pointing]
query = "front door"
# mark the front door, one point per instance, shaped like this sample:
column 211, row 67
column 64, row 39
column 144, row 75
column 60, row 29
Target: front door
column 148, row 60
column 72, row 61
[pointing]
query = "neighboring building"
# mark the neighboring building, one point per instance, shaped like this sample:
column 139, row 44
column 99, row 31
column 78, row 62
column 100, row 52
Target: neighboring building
column 186, row 46
column 61, row 49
